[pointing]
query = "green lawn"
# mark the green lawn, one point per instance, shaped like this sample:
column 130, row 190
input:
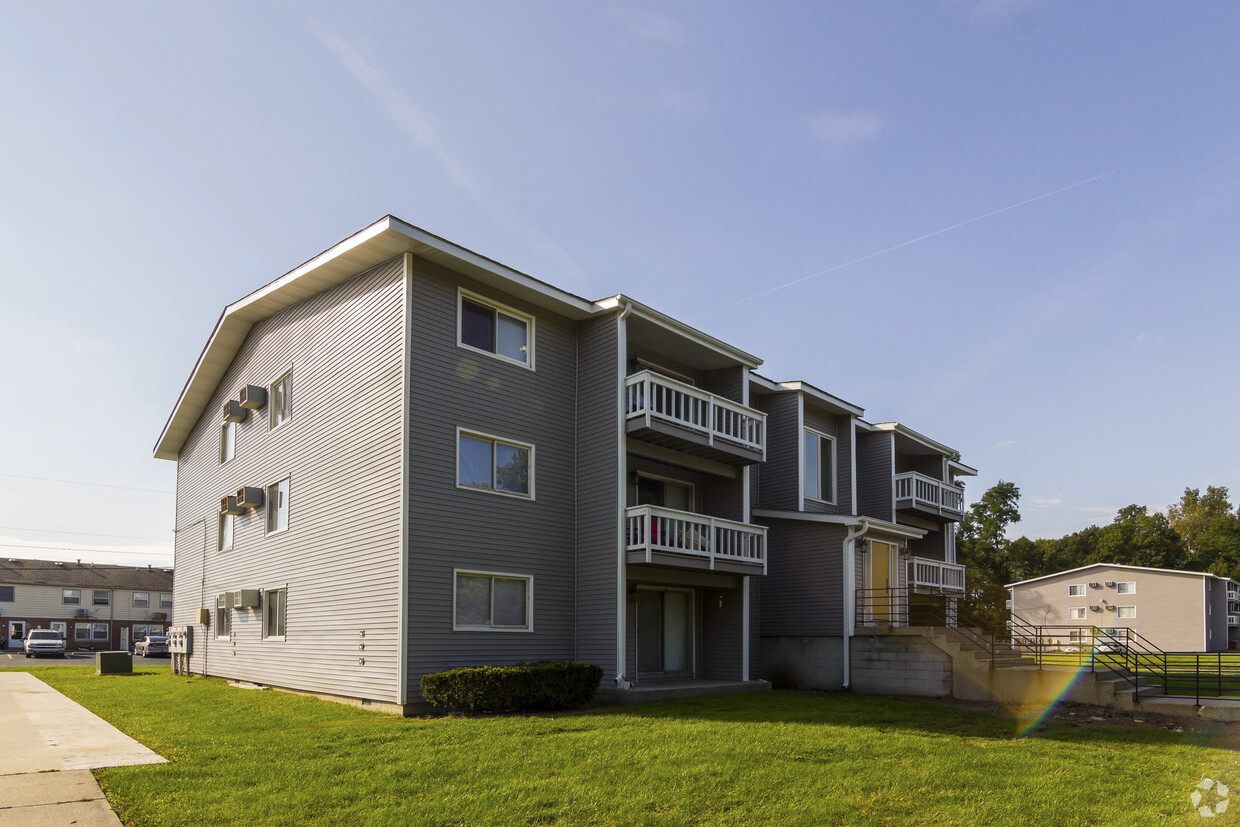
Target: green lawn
column 252, row 757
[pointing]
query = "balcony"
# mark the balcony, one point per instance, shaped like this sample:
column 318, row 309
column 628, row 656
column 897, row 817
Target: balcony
column 935, row 574
column 665, row 536
column 929, row 497
column 666, row 412
column 1233, row 620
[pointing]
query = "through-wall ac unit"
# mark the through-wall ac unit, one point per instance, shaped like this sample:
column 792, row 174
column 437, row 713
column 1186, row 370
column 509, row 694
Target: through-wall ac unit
column 243, row 599
column 1095, row 608
column 1095, row 585
column 233, row 412
column 1110, row 584
column 228, row 505
column 249, row 497
column 1110, row 608
column 252, row 397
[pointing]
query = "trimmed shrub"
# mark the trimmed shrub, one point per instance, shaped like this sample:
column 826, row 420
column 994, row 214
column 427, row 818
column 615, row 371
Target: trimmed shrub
column 528, row 687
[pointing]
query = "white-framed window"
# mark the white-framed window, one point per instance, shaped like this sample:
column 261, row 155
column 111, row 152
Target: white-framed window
column 274, row 609
column 71, row 597
column 228, row 441
column 664, row 492
column 1127, row 612
column 1126, row 587
column 223, row 619
column 62, row 627
column 494, row 329
column 492, row 601
column 165, row 600
column 279, row 401
column 277, row 504
column 141, row 600
column 98, row 631
column 819, row 466
column 495, row 464
column 1077, row 613
column 227, row 525
column 81, row 631
column 1076, row 590
column 100, row 597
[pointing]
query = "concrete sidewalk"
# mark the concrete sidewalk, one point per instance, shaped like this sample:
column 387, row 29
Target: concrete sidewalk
column 50, row 745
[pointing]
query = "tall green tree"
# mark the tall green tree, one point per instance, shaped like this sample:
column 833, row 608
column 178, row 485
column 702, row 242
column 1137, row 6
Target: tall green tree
column 983, row 548
column 1139, row 538
column 1196, row 513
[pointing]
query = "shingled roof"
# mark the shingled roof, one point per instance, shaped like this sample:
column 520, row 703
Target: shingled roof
column 14, row 571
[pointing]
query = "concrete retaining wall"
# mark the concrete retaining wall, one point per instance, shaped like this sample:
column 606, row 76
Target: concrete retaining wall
column 811, row 662
column 900, row 666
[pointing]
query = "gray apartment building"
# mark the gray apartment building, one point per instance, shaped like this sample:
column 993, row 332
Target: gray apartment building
column 403, row 457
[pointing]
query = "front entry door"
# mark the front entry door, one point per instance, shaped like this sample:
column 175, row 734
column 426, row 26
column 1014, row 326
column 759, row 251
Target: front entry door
column 125, row 638
column 664, row 633
column 17, row 631
column 884, row 577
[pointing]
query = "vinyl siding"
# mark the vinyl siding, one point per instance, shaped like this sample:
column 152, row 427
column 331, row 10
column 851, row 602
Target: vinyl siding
column 836, row 427
column 874, row 476
column 458, row 528
column 805, row 573
column 722, row 624
column 780, row 473
column 599, row 435
column 339, row 559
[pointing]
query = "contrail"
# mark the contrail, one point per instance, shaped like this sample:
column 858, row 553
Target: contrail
column 911, row 241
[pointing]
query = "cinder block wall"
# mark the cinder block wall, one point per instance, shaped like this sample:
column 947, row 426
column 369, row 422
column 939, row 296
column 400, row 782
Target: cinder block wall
column 809, row 662
column 902, row 665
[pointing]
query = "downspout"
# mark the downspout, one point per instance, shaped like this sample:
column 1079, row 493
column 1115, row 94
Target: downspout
column 622, row 586
column 855, row 533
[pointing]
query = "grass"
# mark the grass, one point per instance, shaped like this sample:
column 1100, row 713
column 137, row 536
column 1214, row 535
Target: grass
column 240, row 756
column 1212, row 674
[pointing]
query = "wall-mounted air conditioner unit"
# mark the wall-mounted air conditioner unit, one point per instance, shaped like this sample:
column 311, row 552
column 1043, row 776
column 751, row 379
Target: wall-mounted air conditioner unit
column 243, row 599
column 1110, row 608
column 228, row 505
column 249, row 497
column 1095, row 608
column 253, row 397
column 233, row 412
column 1095, row 585
column 1110, row 584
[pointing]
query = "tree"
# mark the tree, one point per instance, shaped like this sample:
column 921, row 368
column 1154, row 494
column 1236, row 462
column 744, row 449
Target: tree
column 983, row 548
column 1138, row 538
column 1196, row 513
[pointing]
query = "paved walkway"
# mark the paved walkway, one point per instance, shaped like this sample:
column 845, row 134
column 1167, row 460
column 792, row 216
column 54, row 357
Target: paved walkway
column 50, row 746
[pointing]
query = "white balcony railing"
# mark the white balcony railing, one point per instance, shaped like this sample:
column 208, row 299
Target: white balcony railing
column 656, row 397
column 926, row 491
column 936, row 574
column 1233, row 620
column 651, row 528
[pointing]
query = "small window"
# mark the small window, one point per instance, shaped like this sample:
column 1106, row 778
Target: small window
column 819, row 466
column 101, row 598
column 1076, row 613
column 495, row 329
column 81, row 631
column 223, row 619
column 139, row 631
column 494, row 464
column 6, row 594
column 278, row 401
column 492, row 602
column 226, row 526
column 141, row 600
column 1076, row 590
column 71, row 597
column 273, row 613
column 277, row 506
column 663, row 492
column 99, row 631
column 1128, row 612
column 228, row 441
column 1128, row 587
column 165, row 601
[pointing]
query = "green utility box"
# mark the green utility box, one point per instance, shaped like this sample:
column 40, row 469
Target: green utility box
column 113, row 663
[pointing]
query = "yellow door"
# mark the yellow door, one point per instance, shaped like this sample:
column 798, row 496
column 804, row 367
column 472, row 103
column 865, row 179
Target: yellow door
column 883, row 580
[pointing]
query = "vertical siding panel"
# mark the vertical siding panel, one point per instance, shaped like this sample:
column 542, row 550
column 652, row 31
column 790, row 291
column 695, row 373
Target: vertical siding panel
column 806, row 572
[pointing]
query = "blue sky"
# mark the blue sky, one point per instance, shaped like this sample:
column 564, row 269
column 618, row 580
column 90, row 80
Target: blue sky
column 1009, row 224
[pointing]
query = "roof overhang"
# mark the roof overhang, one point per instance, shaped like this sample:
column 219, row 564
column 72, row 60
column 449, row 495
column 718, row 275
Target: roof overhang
column 668, row 333
column 1114, row 566
column 908, row 438
column 382, row 241
column 873, row 523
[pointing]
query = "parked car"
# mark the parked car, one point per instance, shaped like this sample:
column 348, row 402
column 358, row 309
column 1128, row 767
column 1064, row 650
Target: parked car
column 151, row 645
column 42, row 642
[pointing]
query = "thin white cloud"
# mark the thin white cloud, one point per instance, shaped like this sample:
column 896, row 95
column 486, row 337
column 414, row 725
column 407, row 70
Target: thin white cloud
column 423, row 130
column 1149, row 339
column 1005, row 444
column 1045, row 502
column 653, row 27
column 843, row 131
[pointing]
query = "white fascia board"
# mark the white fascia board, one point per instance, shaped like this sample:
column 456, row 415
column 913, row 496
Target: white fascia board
column 386, row 239
column 825, row 398
column 904, row 430
column 680, row 328
column 765, row 384
column 959, row 469
column 874, row 523
column 1202, row 574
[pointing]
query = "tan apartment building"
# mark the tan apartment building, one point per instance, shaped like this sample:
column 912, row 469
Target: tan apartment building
column 1177, row 611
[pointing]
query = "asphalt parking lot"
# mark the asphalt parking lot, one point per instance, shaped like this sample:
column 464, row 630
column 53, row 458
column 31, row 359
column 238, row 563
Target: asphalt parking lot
column 13, row 657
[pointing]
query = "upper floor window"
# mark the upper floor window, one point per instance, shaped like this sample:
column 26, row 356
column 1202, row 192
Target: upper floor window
column 1076, row 613
column 1076, row 590
column 1126, row 587
column 6, row 594
column 71, row 597
column 141, row 600
column 228, row 441
column 664, row 492
column 494, row 464
column 495, row 329
column 819, row 466
column 101, row 598
column 1126, row 612
column 278, row 407
column 277, row 506
column 165, row 601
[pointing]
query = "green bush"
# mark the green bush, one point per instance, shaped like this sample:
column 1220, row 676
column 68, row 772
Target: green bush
column 527, row 687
